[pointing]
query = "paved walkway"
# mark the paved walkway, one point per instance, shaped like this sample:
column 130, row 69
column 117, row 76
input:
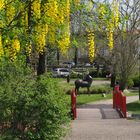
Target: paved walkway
column 98, row 121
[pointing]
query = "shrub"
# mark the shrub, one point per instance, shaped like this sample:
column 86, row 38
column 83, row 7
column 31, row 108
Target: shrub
column 136, row 80
column 74, row 74
column 130, row 83
column 30, row 109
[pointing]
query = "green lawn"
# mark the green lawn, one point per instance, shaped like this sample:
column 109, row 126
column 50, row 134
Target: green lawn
column 83, row 97
column 134, row 107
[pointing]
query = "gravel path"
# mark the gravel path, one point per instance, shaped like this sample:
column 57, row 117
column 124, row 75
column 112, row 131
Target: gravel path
column 98, row 121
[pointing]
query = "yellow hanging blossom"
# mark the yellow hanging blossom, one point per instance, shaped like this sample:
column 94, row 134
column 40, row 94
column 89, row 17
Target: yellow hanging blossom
column 41, row 32
column 115, row 13
column 13, row 47
column 51, row 9
column 60, row 15
column 63, row 44
column 10, row 12
column 36, row 4
column 110, row 35
column 101, row 10
column 91, row 45
column 41, row 42
column 67, row 9
column 1, row 47
column 51, row 34
column 1, row 4
column 16, row 45
column 29, row 49
column 24, row 19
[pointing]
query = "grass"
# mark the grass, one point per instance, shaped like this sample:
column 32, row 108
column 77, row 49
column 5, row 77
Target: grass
column 134, row 107
column 83, row 97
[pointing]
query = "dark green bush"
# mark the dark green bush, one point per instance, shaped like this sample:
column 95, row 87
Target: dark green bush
column 130, row 83
column 136, row 80
column 74, row 74
column 30, row 109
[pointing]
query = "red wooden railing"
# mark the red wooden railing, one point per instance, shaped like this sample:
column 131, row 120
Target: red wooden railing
column 119, row 101
column 73, row 104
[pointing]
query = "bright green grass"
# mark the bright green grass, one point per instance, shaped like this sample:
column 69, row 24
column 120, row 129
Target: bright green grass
column 134, row 107
column 83, row 99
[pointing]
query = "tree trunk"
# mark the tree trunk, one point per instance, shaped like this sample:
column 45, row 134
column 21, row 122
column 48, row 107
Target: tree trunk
column 29, row 30
column 123, row 83
column 76, row 56
column 41, row 64
column 98, row 69
column 113, row 80
column 58, row 57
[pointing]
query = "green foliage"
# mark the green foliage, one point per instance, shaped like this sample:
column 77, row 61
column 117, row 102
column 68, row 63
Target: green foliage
column 136, row 80
column 74, row 74
column 30, row 109
column 134, row 107
column 83, row 99
column 96, row 90
column 130, row 83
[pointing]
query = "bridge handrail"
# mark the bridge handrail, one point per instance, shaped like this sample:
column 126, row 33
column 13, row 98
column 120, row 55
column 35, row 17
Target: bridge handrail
column 119, row 101
column 73, row 104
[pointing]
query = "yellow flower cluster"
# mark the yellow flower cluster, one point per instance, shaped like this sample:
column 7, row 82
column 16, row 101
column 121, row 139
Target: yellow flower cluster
column 10, row 12
column 91, row 45
column 41, row 32
column 14, row 49
column 113, row 23
column 67, row 6
column 101, row 10
column 51, row 9
column 1, row 47
column 1, row 4
column 24, row 19
column 115, row 13
column 51, row 34
column 29, row 49
column 63, row 44
column 110, row 35
column 36, row 8
column 60, row 15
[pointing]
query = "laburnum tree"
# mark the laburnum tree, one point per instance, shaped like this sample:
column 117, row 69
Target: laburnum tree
column 94, row 18
column 29, row 26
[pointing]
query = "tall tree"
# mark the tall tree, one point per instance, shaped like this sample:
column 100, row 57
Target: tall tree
column 126, row 50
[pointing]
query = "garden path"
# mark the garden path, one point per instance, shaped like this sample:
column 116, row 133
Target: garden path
column 99, row 121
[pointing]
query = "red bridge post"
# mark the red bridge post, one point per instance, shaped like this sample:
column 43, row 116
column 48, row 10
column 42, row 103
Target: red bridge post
column 73, row 104
column 119, row 101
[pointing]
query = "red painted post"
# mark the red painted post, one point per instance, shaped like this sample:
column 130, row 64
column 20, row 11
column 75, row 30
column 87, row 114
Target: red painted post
column 114, row 99
column 119, row 101
column 73, row 104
